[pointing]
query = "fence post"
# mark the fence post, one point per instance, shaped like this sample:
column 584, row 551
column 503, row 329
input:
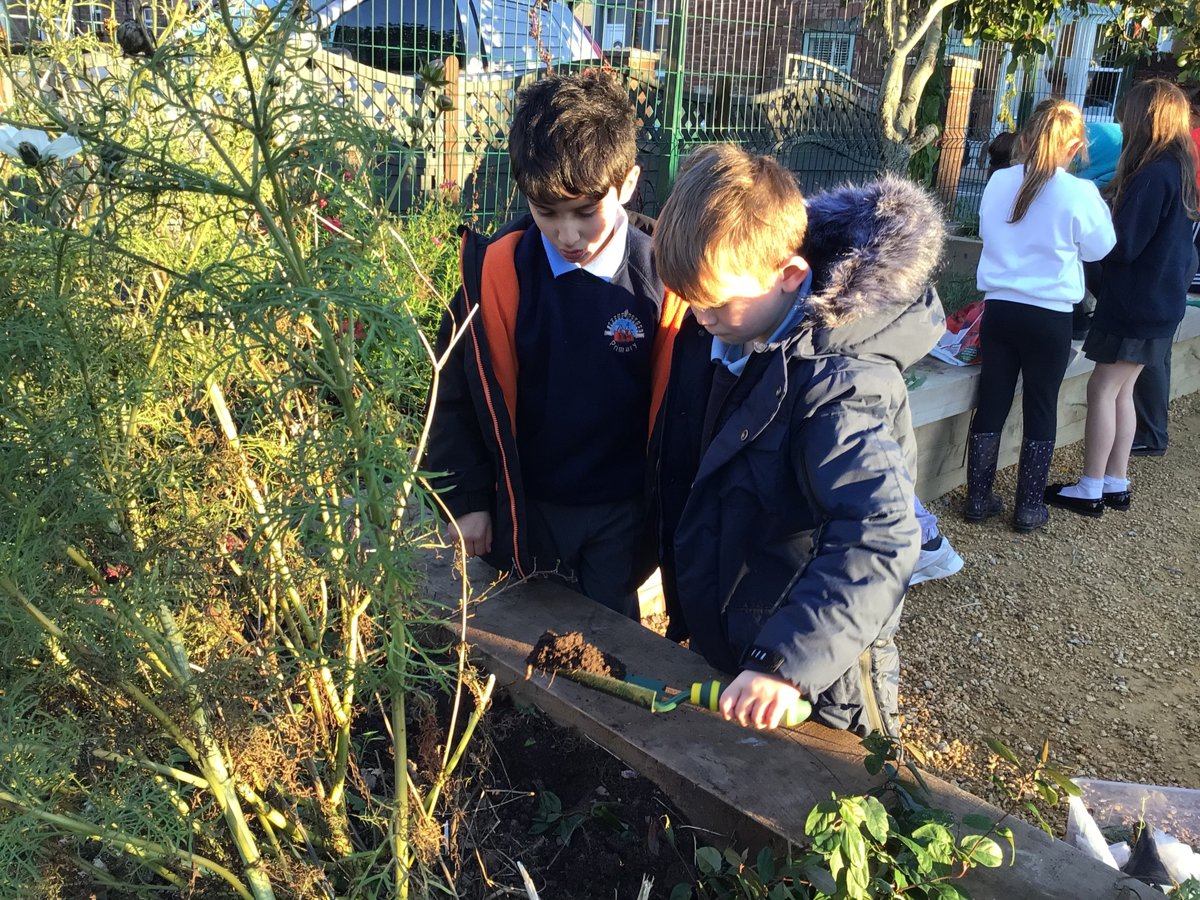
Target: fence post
column 674, row 92
column 954, row 134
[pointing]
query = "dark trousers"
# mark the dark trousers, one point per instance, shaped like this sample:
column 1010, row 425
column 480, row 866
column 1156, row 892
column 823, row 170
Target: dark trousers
column 1035, row 343
column 594, row 549
column 1151, row 396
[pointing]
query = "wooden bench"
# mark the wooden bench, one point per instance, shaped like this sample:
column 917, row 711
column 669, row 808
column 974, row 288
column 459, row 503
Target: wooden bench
column 942, row 407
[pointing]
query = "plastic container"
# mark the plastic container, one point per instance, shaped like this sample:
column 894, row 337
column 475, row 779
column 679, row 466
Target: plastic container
column 1115, row 805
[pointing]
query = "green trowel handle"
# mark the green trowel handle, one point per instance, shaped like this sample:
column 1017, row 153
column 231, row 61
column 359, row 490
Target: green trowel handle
column 708, row 694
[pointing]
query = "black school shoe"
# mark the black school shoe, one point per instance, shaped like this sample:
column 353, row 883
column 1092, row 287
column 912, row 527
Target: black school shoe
column 1091, row 508
column 1118, row 500
column 1143, row 450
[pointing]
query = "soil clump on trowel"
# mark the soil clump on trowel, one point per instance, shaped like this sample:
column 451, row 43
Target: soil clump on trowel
column 570, row 652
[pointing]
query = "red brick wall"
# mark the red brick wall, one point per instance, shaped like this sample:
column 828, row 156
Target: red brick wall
column 741, row 45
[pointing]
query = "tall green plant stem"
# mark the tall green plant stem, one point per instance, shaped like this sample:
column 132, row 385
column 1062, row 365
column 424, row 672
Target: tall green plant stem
column 261, row 807
column 216, row 774
column 279, row 561
column 212, row 763
column 339, row 815
column 84, row 658
column 126, row 843
column 397, row 674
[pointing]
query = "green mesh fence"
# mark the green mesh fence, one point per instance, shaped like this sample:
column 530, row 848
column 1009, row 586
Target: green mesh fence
column 797, row 79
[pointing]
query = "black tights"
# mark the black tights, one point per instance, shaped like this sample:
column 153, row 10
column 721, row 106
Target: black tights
column 1019, row 339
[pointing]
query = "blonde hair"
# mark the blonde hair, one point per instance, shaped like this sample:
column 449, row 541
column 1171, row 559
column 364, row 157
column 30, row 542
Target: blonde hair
column 729, row 212
column 1155, row 122
column 1042, row 146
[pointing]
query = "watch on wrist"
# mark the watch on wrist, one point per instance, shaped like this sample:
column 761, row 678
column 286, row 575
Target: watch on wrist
column 762, row 659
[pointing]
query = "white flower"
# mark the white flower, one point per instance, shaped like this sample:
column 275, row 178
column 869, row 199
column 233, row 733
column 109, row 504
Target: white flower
column 33, row 146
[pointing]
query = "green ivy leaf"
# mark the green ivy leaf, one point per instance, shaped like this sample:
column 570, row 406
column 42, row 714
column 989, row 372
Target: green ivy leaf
column 822, row 818
column 982, row 850
column 978, row 822
column 836, row 863
column 766, row 864
column 1047, row 793
column 875, row 817
column 708, row 860
column 1039, row 818
column 857, row 880
column 1065, row 784
column 854, row 848
column 997, row 747
column 821, row 879
column 681, row 891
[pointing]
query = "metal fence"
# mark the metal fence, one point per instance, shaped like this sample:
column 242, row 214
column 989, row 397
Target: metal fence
column 795, row 78
column 798, row 79
column 1083, row 69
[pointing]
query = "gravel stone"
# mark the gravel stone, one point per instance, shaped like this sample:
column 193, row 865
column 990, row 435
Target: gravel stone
column 1099, row 610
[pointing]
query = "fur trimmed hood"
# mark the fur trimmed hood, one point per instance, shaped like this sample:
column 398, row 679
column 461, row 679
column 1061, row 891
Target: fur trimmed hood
column 874, row 250
column 871, row 247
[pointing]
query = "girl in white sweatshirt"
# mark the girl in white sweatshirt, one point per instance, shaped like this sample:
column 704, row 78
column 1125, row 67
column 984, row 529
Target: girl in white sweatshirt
column 1039, row 224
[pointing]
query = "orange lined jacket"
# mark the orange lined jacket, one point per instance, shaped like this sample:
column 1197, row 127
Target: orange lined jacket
column 473, row 436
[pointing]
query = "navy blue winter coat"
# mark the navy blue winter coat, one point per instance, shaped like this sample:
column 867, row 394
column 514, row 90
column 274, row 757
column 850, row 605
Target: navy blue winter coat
column 1145, row 277
column 793, row 531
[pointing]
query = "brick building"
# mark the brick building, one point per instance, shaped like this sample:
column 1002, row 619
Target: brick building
column 741, row 47
column 21, row 21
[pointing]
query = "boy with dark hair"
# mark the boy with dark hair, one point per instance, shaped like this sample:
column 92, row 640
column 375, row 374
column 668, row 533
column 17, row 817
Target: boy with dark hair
column 785, row 444
column 542, row 412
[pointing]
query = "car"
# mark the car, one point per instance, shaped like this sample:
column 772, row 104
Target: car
column 492, row 36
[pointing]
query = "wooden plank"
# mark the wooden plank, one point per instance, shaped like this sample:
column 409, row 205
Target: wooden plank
column 753, row 787
column 942, row 407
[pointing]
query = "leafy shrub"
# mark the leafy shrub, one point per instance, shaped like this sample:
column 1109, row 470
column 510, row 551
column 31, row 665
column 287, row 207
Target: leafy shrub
column 215, row 368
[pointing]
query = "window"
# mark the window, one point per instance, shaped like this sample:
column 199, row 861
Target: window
column 23, row 23
column 403, row 35
column 149, row 19
column 96, row 18
column 398, row 35
column 1104, row 77
column 835, row 48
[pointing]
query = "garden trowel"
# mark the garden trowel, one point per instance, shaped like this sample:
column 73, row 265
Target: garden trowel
column 706, row 694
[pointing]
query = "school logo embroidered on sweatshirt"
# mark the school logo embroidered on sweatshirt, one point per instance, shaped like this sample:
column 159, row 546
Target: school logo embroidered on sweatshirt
column 625, row 331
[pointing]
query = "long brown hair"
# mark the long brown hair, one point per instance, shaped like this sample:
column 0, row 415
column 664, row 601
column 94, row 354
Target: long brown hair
column 1042, row 146
column 1155, row 122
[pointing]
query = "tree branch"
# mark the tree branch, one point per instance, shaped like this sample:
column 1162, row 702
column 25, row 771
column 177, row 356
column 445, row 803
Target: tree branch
column 914, row 89
column 917, row 34
column 928, row 135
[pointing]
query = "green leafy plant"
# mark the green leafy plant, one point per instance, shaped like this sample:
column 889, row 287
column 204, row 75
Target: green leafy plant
column 220, row 664
column 550, row 817
column 888, row 843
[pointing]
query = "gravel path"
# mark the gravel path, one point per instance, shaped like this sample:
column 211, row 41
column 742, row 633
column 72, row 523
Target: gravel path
column 1084, row 633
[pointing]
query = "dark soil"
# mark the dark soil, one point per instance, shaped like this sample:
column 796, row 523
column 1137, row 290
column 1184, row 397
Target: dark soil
column 570, row 652
column 583, row 824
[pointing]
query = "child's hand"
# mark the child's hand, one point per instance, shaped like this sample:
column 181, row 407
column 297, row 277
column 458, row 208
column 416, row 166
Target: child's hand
column 758, row 700
column 475, row 531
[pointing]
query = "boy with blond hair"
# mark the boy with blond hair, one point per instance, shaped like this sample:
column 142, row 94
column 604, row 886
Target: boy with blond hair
column 559, row 348
column 785, row 445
